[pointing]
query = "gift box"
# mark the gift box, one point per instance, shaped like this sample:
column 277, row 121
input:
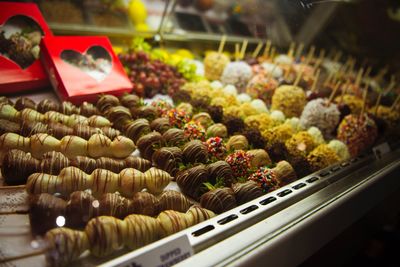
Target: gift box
column 82, row 67
column 21, row 29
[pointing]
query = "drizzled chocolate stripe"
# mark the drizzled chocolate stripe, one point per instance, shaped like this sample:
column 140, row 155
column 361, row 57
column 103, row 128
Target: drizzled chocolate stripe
column 104, row 235
column 82, row 206
column 219, row 200
column 100, row 181
column 71, row 146
column 10, row 113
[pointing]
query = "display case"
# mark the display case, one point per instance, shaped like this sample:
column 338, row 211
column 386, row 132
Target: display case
column 185, row 171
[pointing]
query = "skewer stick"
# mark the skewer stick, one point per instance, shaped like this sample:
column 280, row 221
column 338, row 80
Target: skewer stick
column 344, row 90
column 364, row 99
column 243, row 49
column 24, row 256
column 267, row 48
column 310, row 55
column 337, row 85
column 395, row 102
column 291, row 49
column 378, row 102
column 257, row 50
column 391, row 85
column 359, row 77
column 8, row 187
column 273, row 51
column 237, row 52
column 314, row 85
column 337, row 56
column 320, row 59
column 298, row 78
column 367, row 72
column 222, row 44
column 299, row 51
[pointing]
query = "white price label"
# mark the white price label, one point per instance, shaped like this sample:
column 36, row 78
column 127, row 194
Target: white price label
column 381, row 150
column 165, row 255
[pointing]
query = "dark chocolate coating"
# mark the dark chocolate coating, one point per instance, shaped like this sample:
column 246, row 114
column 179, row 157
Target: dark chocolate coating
column 168, row 159
column 88, row 109
column 130, row 101
column 160, row 125
column 218, row 200
column 24, row 102
column 245, row 192
column 47, row 105
column 81, row 208
column 119, row 115
column 173, row 200
column 15, row 169
column 88, row 165
column 149, row 143
column 191, row 181
column 43, row 212
column 277, row 151
column 147, row 112
column 107, row 101
column 135, row 129
column 7, row 126
column 174, row 137
column 220, row 170
column 145, row 203
column 115, row 205
column 85, row 131
column 195, row 152
column 68, row 108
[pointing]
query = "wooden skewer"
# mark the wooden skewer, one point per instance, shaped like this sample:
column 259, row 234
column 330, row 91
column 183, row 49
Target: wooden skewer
column 359, row 77
column 367, row 72
column 237, row 52
column 381, row 73
column 298, row 78
column 14, row 212
column 364, row 99
column 395, row 102
column 310, row 55
column 8, row 187
column 391, row 85
column 337, row 56
column 20, row 257
column 320, row 59
column 344, row 90
column 314, row 85
column 222, row 44
column 257, row 50
column 243, row 49
column 378, row 101
column 273, row 51
column 267, row 48
column 291, row 49
column 299, row 50
column 337, row 85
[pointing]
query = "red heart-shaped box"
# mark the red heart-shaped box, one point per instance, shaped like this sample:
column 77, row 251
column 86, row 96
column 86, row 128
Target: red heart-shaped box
column 14, row 78
column 72, row 83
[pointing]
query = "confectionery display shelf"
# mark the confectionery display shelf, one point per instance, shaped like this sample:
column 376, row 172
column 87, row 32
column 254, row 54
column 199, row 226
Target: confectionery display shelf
column 290, row 224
